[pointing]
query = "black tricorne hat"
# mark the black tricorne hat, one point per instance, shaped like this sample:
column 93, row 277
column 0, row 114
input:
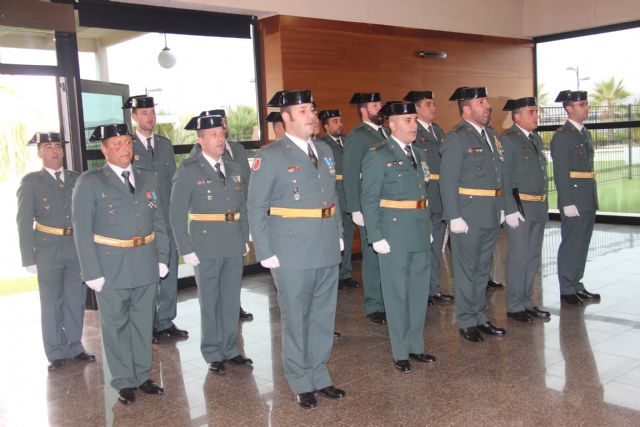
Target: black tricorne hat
column 464, row 93
column 208, row 122
column 42, row 137
column 397, row 108
column 572, row 96
column 139, row 101
column 515, row 104
column 274, row 117
column 417, row 95
column 327, row 114
column 285, row 98
column 103, row 132
column 191, row 124
column 365, row 97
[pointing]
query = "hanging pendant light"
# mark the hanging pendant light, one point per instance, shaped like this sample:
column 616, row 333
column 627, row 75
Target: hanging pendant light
column 166, row 59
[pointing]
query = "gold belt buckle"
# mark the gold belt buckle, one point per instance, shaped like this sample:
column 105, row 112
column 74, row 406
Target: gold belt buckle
column 326, row 212
column 422, row 204
column 68, row 231
column 138, row 241
column 229, row 216
column 499, row 193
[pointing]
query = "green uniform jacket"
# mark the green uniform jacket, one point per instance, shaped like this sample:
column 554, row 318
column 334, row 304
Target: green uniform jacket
column 338, row 157
column 525, row 168
column 387, row 173
column 198, row 189
column 40, row 199
column 571, row 151
column 239, row 155
column 467, row 161
column 283, row 176
column 356, row 145
column 163, row 163
column 103, row 205
column 431, row 145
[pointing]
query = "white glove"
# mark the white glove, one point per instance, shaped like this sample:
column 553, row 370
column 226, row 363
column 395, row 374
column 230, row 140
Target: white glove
column 341, row 245
column 163, row 270
column 357, row 218
column 458, row 225
column 32, row 269
column 191, row 259
column 431, row 237
column 501, row 216
column 271, row 262
column 382, row 247
column 513, row 220
column 96, row 284
column 570, row 211
column 247, row 249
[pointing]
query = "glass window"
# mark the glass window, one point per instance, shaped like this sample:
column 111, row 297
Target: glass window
column 613, row 86
column 27, row 46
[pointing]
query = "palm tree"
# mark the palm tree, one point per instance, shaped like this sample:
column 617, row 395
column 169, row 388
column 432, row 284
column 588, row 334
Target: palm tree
column 241, row 121
column 543, row 97
column 609, row 93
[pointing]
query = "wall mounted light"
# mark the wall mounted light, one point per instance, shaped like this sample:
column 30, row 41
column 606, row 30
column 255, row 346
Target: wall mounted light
column 438, row 54
column 166, row 59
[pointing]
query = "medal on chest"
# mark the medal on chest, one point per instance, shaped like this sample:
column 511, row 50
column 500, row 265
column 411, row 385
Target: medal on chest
column 425, row 170
column 152, row 198
column 499, row 148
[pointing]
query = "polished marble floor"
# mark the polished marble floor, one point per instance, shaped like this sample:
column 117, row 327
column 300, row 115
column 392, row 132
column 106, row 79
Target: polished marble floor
column 582, row 367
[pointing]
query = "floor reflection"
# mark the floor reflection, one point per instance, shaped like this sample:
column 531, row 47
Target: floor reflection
column 580, row 367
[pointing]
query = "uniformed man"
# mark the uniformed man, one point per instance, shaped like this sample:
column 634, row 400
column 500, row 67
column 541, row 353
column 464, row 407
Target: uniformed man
column 334, row 131
column 209, row 221
column 155, row 152
column 396, row 213
column 44, row 198
column 429, row 138
column 234, row 151
column 123, row 246
column 357, row 143
column 525, row 205
column 572, row 152
column 471, row 190
column 275, row 118
column 294, row 214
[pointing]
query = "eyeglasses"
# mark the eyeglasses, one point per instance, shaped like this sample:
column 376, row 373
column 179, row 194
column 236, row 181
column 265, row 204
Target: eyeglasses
column 581, row 104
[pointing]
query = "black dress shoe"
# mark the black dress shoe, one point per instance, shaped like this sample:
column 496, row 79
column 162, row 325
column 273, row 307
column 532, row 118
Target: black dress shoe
column 240, row 360
column 155, row 338
column 442, row 298
column 431, row 301
column 402, row 365
column 350, row 283
column 422, row 357
column 573, row 299
column 492, row 284
column 585, row 294
column 55, row 365
column 217, row 367
column 342, row 285
column 85, row 357
column 245, row 315
column 149, row 387
column 126, row 396
column 332, row 392
column 173, row 331
column 378, row 317
column 472, row 334
column 336, row 335
column 307, row 400
column 536, row 312
column 491, row 329
column 520, row 316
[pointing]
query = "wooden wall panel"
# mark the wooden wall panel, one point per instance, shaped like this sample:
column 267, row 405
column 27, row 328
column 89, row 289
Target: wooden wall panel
column 335, row 59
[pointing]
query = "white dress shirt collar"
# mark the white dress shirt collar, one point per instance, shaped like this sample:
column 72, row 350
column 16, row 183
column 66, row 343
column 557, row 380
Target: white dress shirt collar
column 213, row 162
column 302, row 144
column 52, row 172
column 118, row 171
column 143, row 139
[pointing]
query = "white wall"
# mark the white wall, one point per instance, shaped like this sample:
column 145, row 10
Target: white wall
column 507, row 18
